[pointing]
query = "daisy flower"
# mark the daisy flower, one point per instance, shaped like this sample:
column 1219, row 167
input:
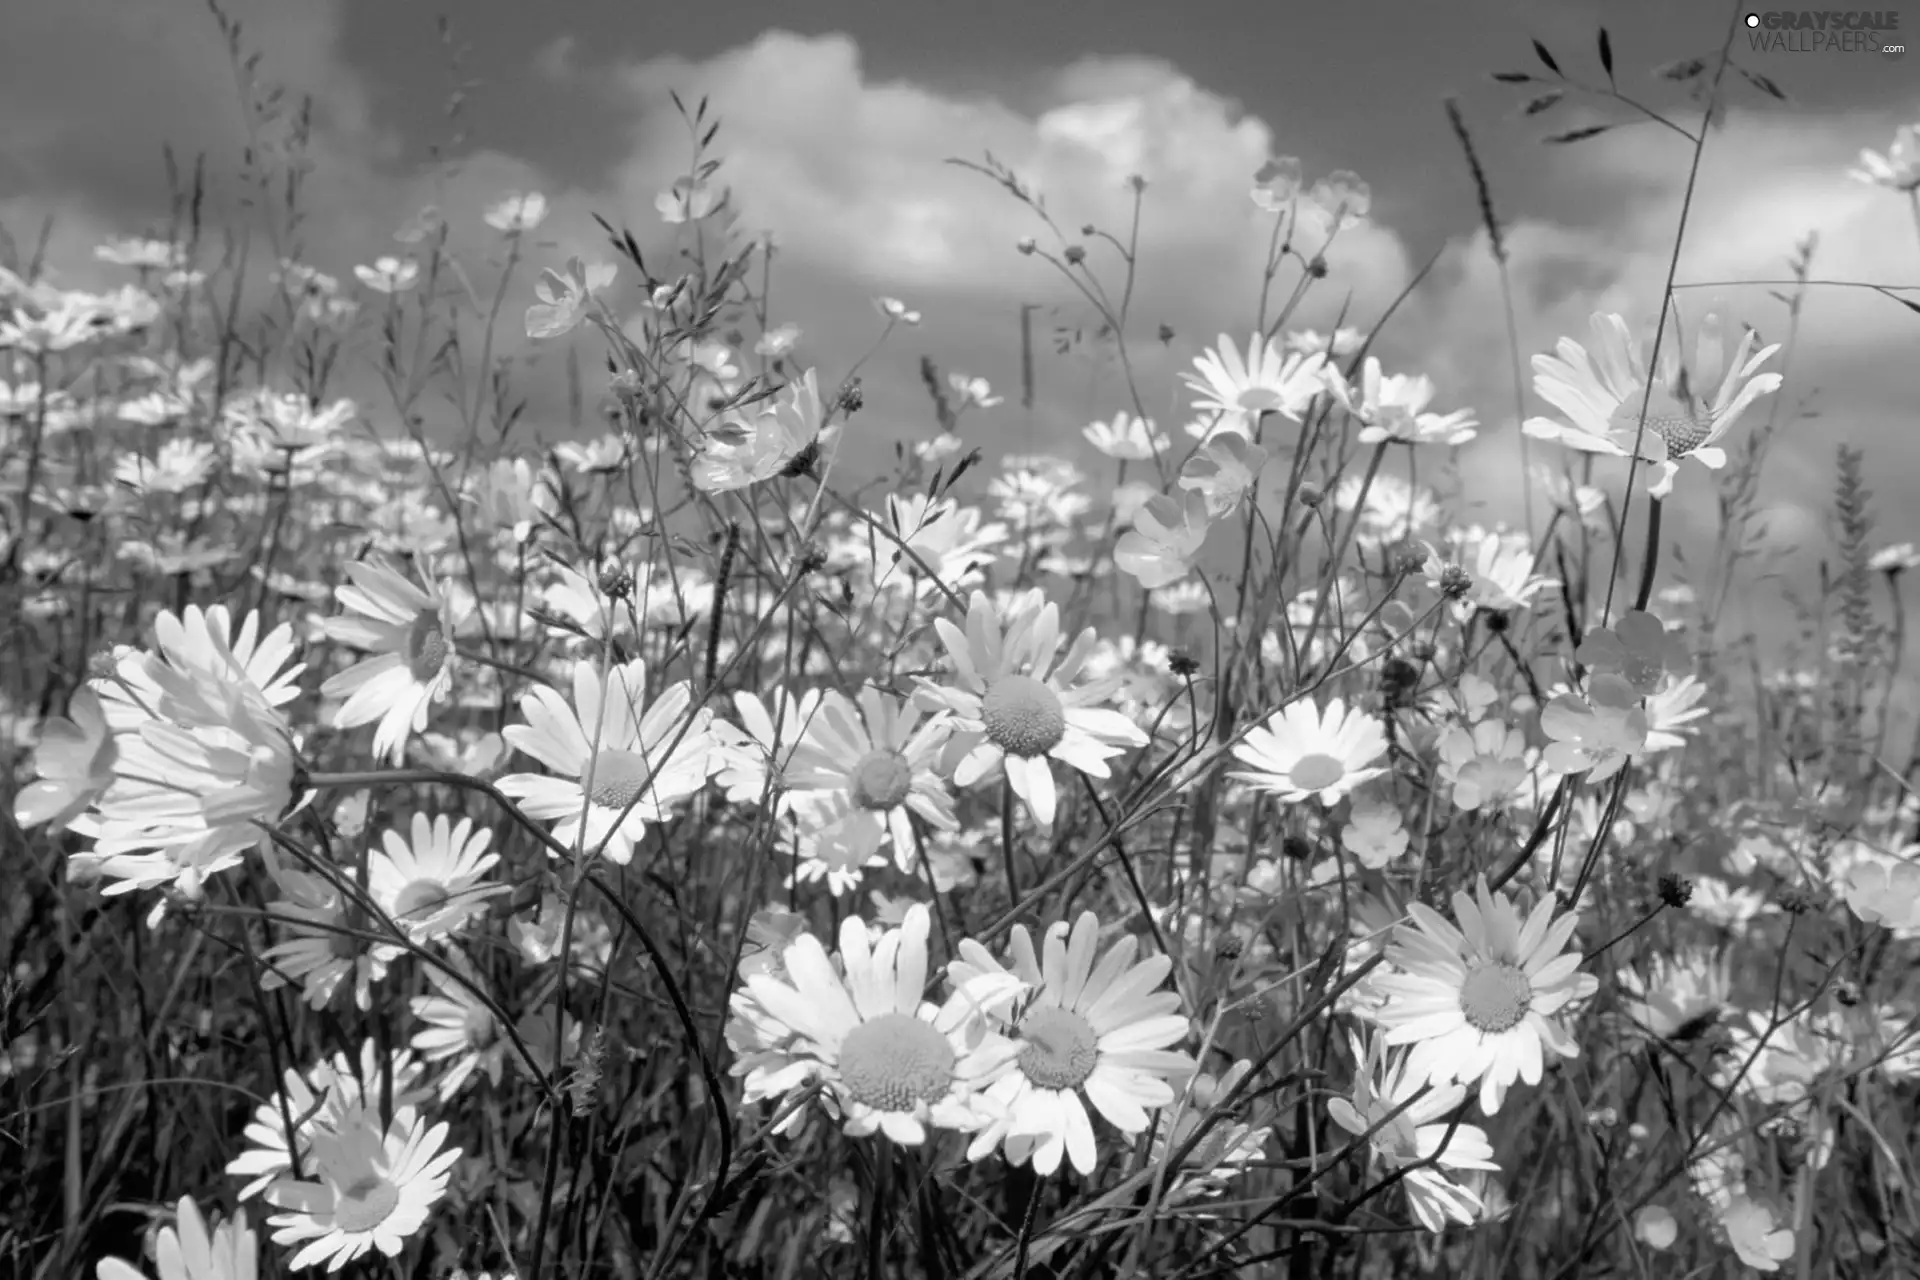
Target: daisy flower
column 334, row 1092
column 461, row 1036
column 1089, row 1032
column 1394, row 408
column 1501, row 567
column 322, row 954
column 621, row 768
column 189, row 1252
column 1301, row 751
column 890, row 1061
column 1126, row 438
column 1600, row 394
column 389, row 274
column 1680, row 996
column 73, row 764
column 1015, row 708
column 756, row 756
column 1420, row 1135
column 1227, row 1149
column 1899, row 169
column 1266, row 381
column 878, row 764
column 519, row 212
column 410, row 630
column 1477, row 1002
column 373, row 1190
column 432, row 884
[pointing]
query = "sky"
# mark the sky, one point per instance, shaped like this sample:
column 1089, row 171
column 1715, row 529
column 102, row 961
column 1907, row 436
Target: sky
column 837, row 118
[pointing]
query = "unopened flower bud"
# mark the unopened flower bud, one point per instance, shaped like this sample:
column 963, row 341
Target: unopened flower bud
column 1455, row 581
column 1310, row 494
column 851, row 397
column 615, row 582
column 1075, row 254
column 1088, row 229
column 1166, row 333
column 1026, row 244
column 1182, row 663
column 1318, row 267
column 1675, row 891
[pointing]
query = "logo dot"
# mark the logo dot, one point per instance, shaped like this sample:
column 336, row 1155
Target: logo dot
column 1753, row 19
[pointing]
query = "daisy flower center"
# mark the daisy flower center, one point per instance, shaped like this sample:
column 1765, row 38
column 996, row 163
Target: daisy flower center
column 420, row 898
column 366, row 1204
column 881, row 780
column 1061, row 1050
column 619, row 777
column 427, row 647
column 1667, row 417
column 1023, row 717
column 479, row 1029
column 1495, row 997
column 894, row 1061
column 1316, row 770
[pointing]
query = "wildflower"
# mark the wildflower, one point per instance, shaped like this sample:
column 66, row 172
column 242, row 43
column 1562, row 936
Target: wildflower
column 202, row 753
column 156, row 255
column 877, row 763
column 896, row 311
column 1301, row 752
column 1014, row 707
column 1276, row 184
column 972, row 392
column 337, row 1092
column 434, row 883
column 373, row 1190
column 783, row 437
column 1239, row 391
column 389, row 275
column 564, row 298
column 188, row 1251
column 1594, row 737
column 757, row 755
column 1225, row 470
column 1485, row 765
column 1899, row 169
column 1600, row 393
column 325, row 949
column 1680, row 996
column 73, row 764
column 1229, row 1147
column 1477, row 1002
column 1639, row 649
column 1755, row 1234
column 1091, row 1032
column 1394, row 408
column 777, row 341
column 1342, row 198
column 1376, row 832
column 949, row 542
column 1165, row 538
column 687, row 200
column 1655, row 1227
column 1341, row 342
column 517, row 213
column 176, row 466
column 1895, row 559
column 1126, row 438
column 889, row 1060
column 461, row 1035
column 1419, row 1139
column 1501, row 571
column 1885, row 892
column 1671, row 711
column 621, row 768
column 409, row 629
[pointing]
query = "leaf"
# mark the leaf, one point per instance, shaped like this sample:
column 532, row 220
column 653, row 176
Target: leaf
column 1547, row 58
column 1577, row 135
column 1761, row 83
column 1606, row 54
column 1543, row 102
column 1513, row 77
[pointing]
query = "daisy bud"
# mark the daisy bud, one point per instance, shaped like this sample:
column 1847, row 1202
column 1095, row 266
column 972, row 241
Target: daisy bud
column 1675, row 891
column 1318, row 267
column 812, row 558
column 1310, row 494
column 1182, row 663
column 851, row 398
column 1230, row 947
column 1166, row 333
column 1795, row 900
column 1455, row 581
column 1026, row 245
column 1296, row 847
column 1137, row 182
column 615, row 582
column 1088, row 230
column 1407, row 559
column 1076, row 255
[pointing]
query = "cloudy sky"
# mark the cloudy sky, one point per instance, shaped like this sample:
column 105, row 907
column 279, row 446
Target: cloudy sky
column 837, row 117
